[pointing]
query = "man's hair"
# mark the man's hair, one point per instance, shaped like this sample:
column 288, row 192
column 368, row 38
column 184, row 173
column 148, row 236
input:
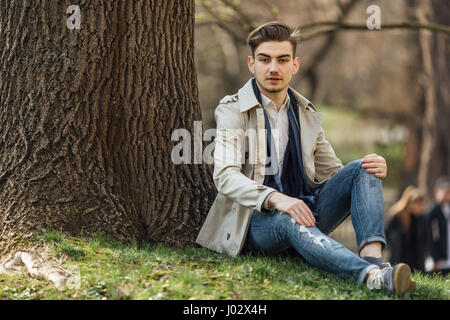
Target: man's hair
column 271, row 31
column 442, row 183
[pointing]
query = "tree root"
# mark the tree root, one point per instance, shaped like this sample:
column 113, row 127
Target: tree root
column 37, row 263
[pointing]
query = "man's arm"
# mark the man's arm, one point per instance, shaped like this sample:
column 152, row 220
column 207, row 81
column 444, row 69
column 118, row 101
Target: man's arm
column 325, row 160
column 228, row 178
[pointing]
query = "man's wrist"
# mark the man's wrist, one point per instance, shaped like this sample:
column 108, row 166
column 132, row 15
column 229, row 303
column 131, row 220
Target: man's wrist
column 272, row 199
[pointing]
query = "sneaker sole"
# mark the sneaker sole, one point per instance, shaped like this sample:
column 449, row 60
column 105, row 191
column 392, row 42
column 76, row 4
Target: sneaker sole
column 402, row 280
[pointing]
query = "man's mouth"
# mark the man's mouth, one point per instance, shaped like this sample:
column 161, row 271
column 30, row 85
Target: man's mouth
column 273, row 79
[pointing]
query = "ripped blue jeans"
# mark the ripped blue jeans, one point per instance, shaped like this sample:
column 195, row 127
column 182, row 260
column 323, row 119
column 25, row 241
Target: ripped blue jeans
column 350, row 191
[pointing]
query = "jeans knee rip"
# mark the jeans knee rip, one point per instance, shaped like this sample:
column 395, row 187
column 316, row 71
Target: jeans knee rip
column 316, row 239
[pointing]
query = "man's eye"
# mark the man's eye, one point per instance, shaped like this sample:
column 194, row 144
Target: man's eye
column 264, row 60
column 283, row 60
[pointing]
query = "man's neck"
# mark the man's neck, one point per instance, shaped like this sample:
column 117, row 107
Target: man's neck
column 277, row 97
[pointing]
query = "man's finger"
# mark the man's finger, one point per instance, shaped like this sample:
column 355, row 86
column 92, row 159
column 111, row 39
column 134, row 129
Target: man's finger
column 311, row 216
column 370, row 165
column 301, row 219
column 377, row 160
column 307, row 215
column 375, row 170
column 295, row 213
column 379, row 164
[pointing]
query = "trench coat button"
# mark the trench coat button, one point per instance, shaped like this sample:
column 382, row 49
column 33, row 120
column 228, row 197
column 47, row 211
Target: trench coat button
column 228, row 236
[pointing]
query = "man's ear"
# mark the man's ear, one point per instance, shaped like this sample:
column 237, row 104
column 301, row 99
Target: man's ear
column 296, row 64
column 251, row 64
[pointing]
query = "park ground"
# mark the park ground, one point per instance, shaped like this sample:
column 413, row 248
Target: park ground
column 111, row 270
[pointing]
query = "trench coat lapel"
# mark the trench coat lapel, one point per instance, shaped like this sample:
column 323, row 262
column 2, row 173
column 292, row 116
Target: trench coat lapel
column 310, row 123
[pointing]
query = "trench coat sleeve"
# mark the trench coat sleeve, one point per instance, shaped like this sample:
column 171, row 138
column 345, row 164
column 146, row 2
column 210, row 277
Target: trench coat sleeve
column 326, row 162
column 229, row 155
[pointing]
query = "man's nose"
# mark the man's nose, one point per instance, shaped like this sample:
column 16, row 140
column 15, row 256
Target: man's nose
column 273, row 66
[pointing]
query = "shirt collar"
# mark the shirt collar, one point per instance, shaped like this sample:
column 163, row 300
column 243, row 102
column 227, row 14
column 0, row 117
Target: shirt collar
column 266, row 102
column 247, row 98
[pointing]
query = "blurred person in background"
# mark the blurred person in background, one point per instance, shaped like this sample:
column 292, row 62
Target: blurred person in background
column 438, row 225
column 406, row 231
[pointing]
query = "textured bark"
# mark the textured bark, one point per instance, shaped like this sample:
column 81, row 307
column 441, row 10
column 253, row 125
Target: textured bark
column 86, row 118
column 435, row 154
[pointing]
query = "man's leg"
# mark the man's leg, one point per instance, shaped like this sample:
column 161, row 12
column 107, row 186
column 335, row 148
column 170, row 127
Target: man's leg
column 276, row 232
column 354, row 190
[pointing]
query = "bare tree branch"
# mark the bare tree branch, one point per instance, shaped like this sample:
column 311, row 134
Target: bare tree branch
column 251, row 25
column 224, row 26
column 273, row 9
column 320, row 54
column 335, row 26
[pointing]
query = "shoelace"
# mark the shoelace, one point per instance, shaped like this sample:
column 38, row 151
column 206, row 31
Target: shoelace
column 377, row 279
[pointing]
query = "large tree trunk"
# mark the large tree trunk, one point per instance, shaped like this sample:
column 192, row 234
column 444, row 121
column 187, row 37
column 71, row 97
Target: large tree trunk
column 435, row 154
column 86, row 117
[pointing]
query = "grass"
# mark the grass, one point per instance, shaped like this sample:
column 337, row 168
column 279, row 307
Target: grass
column 110, row 270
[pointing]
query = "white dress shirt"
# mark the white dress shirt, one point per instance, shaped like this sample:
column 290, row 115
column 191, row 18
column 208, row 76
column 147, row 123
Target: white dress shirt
column 279, row 125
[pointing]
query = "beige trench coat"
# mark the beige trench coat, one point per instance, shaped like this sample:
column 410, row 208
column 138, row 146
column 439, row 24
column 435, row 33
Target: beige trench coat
column 239, row 166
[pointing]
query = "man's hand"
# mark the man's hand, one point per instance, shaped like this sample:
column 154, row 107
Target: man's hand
column 375, row 164
column 296, row 208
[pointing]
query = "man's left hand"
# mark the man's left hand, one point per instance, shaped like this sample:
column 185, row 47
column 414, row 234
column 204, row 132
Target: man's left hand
column 375, row 164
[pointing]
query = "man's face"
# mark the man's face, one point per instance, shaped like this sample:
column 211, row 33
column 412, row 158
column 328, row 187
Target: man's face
column 273, row 65
column 442, row 195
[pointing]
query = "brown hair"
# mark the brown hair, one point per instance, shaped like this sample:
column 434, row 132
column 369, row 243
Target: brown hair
column 410, row 195
column 271, row 31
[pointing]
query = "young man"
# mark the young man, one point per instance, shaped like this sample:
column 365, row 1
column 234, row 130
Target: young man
column 280, row 184
column 438, row 225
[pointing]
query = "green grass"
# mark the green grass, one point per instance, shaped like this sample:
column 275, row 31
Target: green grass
column 110, row 270
column 51, row 236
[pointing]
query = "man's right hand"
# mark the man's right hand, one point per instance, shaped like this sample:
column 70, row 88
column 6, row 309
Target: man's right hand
column 296, row 208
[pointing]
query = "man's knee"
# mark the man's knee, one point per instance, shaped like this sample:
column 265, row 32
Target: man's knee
column 361, row 174
column 355, row 164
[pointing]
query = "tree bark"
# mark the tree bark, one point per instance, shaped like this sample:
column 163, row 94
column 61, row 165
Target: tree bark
column 86, row 117
column 435, row 153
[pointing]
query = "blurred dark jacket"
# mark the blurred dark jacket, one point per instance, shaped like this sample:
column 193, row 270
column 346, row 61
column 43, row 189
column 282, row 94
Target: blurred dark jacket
column 437, row 232
column 408, row 246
